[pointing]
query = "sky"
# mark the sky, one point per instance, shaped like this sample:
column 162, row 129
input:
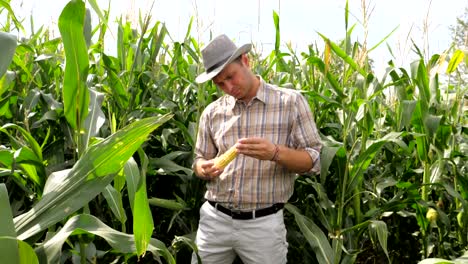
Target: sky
column 425, row 22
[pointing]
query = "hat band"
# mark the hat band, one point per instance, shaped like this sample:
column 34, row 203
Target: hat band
column 220, row 63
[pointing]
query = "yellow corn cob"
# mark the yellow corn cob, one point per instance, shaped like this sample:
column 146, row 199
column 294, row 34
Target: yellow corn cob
column 222, row 161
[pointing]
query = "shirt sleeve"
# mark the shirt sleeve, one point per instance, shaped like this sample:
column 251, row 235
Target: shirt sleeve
column 204, row 146
column 304, row 132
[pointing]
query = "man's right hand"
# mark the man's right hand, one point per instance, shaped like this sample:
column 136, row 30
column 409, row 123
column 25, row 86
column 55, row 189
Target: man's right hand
column 206, row 170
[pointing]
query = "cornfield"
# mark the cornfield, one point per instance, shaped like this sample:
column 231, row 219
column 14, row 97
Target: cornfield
column 96, row 150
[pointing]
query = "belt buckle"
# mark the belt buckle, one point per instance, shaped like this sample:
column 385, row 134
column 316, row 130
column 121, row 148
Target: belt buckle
column 237, row 214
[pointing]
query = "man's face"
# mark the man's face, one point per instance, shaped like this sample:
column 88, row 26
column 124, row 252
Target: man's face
column 233, row 79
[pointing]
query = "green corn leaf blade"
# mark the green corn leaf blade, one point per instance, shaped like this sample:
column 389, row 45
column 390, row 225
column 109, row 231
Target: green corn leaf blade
column 166, row 203
column 342, row 54
column 406, row 113
column 88, row 177
column 8, row 247
column 32, row 143
column 143, row 224
column 95, row 118
column 456, row 59
column 379, row 229
column 142, row 221
column 26, row 253
column 17, row 251
column 116, row 85
column 417, row 121
column 114, row 200
column 75, row 92
column 331, row 79
column 422, row 81
column 364, row 159
column 7, row 50
column 11, row 14
column 28, row 156
column 133, row 178
column 314, row 235
column 337, row 245
column 326, row 159
column 186, row 241
column 50, row 251
column 7, row 227
column 384, row 39
column 158, row 40
column 170, row 166
column 346, row 14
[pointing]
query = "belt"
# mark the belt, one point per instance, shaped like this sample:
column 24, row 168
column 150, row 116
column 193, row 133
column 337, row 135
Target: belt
column 246, row 215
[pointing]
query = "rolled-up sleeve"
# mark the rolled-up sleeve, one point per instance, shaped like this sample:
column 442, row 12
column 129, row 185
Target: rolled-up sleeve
column 204, row 147
column 304, row 132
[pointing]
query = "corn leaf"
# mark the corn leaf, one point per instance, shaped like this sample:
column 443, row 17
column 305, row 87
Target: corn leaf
column 114, row 200
column 96, row 118
column 379, row 228
column 168, row 204
column 22, row 253
column 314, row 235
column 88, row 177
column 11, row 14
column 8, row 247
column 7, row 50
column 75, row 92
column 142, row 218
column 456, row 59
column 364, row 159
column 50, row 251
column 342, row 54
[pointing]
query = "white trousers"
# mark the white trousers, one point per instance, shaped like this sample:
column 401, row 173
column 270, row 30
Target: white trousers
column 220, row 238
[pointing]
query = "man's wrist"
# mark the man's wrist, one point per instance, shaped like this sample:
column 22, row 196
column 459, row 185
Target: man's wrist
column 276, row 154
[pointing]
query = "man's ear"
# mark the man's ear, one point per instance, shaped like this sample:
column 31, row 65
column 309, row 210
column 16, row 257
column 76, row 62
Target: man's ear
column 245, row 60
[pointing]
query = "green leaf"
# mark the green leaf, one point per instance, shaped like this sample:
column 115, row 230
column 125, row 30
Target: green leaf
column 342, row 54
column 7, row 50
column 95, row 118
column 407, row 109
column 114, row 200
column 364, row 159
column 75, row 91
column 142, row 218
column 314, row 235
column 168, row 204
column 132, row 176
column 88, row 177
column 50, row 251
column 379, row 228
column 17, row 251
column 11, row 13
column 326, row 158
column 456, row 59
column 8, row 247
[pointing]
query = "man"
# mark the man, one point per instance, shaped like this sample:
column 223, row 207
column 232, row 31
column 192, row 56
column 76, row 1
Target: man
column 275, row 136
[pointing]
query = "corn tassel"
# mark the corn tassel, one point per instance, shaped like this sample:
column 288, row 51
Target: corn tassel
column 222, row 161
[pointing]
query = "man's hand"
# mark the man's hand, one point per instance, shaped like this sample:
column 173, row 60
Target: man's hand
column 206, row 170
column 256, row 147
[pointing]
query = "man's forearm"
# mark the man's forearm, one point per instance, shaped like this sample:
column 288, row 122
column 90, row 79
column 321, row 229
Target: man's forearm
column 298, row 161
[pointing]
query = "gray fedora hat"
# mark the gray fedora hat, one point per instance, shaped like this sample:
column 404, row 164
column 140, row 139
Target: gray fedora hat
column 217, row 54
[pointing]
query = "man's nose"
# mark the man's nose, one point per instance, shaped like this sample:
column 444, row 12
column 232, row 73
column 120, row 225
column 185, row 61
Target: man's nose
column 228, row 86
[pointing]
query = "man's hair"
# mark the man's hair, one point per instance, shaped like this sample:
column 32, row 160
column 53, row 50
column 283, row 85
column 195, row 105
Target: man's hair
column 238, row 59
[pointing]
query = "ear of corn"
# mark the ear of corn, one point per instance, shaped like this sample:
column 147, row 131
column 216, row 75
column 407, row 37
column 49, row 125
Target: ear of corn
column 222, row 161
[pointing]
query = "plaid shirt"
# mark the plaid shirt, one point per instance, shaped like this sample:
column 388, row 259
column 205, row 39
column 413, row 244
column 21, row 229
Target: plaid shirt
column 280, row 115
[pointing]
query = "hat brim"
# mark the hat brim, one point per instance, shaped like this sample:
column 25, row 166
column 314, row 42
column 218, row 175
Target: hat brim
column 206, row 76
